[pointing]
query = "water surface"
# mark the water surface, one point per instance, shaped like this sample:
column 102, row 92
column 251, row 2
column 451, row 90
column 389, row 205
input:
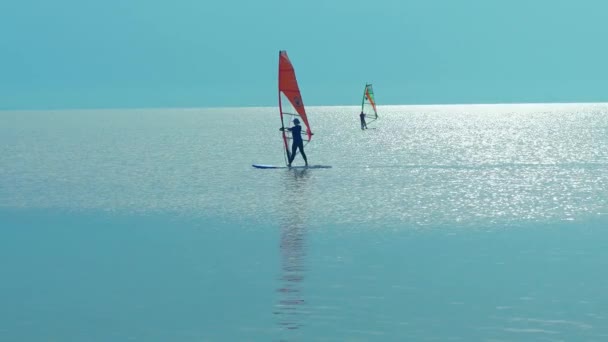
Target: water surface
column 472, row 222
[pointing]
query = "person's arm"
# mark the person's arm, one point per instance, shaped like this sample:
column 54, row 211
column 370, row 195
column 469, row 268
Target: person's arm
column 282, row 129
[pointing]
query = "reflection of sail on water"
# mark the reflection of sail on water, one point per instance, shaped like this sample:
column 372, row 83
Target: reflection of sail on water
column 292, row 265
column 291, row 304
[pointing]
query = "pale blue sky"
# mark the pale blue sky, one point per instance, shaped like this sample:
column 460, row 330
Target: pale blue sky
column 191, row 53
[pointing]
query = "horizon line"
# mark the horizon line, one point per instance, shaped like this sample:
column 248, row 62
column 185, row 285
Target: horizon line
column 308, row 106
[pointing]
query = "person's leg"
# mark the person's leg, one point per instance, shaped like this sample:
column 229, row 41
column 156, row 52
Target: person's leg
column 294, row 148
column 288, row 155
column 301, row 147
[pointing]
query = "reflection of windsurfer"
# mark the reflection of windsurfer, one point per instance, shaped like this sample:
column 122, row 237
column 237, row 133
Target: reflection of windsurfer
column 363, row 124
column 296, row 135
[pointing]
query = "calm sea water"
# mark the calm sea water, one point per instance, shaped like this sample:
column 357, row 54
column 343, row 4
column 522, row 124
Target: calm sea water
column 470, row 223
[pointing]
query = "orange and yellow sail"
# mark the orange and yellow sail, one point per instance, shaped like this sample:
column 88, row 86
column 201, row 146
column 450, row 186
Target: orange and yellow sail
column 368, row 103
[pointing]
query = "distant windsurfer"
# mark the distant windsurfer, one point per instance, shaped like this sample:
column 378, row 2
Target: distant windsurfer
column 297, row 143
column 363, row 124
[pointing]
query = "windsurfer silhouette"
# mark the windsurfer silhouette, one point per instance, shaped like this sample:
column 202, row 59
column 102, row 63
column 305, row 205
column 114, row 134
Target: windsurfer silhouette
column 363, row 124
column 297, row 143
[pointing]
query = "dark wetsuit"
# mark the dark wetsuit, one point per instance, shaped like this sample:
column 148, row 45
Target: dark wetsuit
column 363, row 124
column 297, row 143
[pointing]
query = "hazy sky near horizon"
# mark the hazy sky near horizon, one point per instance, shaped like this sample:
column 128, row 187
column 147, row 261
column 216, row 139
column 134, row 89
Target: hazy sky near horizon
column 191, row 53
